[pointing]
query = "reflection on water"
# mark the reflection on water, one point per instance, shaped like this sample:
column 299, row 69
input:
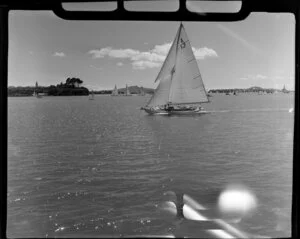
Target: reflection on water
column 90, row 168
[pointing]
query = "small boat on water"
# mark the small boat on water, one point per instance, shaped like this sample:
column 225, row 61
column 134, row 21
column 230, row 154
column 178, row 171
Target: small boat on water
column 115, row 91
column 35, row 93
column 92, row 95
column 180, row 89
column 284, row 90
column 127, row 92
column 142, row 92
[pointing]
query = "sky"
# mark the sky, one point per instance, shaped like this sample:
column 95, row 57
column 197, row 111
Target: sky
column 258, row 51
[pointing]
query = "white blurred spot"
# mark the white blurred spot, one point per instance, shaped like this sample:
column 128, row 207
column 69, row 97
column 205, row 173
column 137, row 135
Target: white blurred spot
column 60, row 229
column 236, row 202
column 291, row 110
column 170, row 207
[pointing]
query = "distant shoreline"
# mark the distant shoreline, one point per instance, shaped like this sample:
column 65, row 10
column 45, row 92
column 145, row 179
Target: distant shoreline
column 211, row 93
column 28, row 91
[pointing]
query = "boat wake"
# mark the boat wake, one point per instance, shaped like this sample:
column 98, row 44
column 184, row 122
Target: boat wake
column 251, row 110
column 202, row 113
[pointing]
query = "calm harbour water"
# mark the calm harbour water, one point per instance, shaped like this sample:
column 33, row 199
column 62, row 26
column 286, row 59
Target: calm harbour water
column 91, row 168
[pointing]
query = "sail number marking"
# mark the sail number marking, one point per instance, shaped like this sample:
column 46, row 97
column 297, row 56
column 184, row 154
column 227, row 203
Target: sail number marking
column 182, row 43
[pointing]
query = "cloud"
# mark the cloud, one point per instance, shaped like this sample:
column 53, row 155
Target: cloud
column 162, row 49
column 204, row 52
column 99, row 53
column 59, row 54
column 141, row 65
column 120, row 64
column 148, row 59
column 115, row 53
column 261, row 77
column 95, row 67
column 255, row 77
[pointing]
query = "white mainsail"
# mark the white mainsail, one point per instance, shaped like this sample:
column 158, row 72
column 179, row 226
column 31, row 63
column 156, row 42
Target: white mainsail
column 180, row 78
column 161, row 93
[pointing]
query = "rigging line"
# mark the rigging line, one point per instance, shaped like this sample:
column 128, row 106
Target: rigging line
column 193, row 59
column 185, row 41
column 196, row 76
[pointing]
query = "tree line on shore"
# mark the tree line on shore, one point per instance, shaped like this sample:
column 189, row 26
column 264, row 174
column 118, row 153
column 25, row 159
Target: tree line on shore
column 254, row 89
column 72, row 86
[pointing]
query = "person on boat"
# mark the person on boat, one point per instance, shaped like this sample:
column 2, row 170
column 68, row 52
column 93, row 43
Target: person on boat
column 198, row 108
column 166, row 107
column 170, row 107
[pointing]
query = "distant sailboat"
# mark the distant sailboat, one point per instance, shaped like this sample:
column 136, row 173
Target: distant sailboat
column 127, row 93
column 115, row 91
column 35, row 93
column 284, row 90
column 92, row 95
column 181, row 89
column 142, row 92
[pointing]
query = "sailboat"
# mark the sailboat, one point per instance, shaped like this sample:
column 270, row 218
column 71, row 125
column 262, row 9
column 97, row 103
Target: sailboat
column 180, row 89
column 127, row 93
column 142, row 92
column 284, row 90
column 35, row 93
column 92, row 95
column 115, row 91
